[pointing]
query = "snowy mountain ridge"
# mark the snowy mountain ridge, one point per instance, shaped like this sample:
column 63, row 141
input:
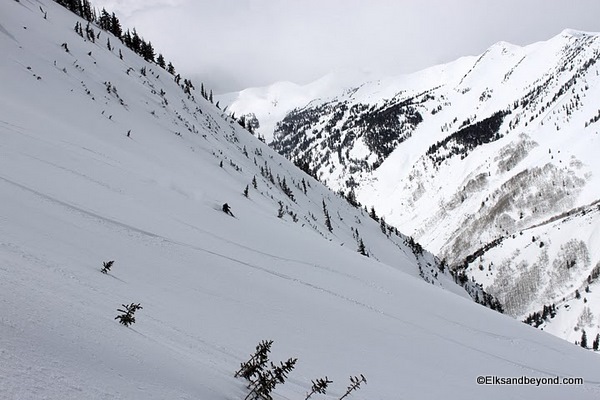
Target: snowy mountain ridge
column 106, row 158
column 465, row 154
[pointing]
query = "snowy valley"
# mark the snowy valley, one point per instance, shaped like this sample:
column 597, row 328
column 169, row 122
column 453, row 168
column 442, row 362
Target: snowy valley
column 466, row 157
column 105, row 156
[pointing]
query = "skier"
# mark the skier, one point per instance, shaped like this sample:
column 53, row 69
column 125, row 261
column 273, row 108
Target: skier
column 227, row 209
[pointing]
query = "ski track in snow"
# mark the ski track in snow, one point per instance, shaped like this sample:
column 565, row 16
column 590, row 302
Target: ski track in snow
column 7, row 33
column 285, row 259
column 163, row 240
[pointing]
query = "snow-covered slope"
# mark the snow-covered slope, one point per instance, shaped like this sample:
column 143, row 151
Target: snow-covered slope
column 99, row 162
column 516, row 271
column 270, row 104
column 465, row 154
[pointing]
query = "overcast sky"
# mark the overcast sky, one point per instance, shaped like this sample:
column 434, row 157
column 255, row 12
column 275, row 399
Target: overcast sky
column 234, row 44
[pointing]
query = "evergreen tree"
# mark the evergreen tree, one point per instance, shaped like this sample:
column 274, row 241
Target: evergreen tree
column 383, row 226
column 327, row 218
column 318, row 386
column 171, row 68
column 583, row 342
column 127, row 39
column 105, row 21
column 351, row 198
column 89, row 32
column 254, row 184
column 79, row 28
column 106, row 266
column 257, row 362
column 355, row 383
column 361, row 248
column 115, row 26
column 128, row 318
column 246, row 191
column 210, row 96
column 373, row 214
column 87, row 11
column 146, row 50
column 136, row 42
column 267, row 380
column 160, row 60
column 286, row 189
column 596, row 342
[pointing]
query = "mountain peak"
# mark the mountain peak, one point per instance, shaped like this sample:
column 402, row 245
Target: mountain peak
column 576, row 33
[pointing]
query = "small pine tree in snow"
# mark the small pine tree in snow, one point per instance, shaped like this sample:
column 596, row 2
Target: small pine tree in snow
column 171, row 68
column 127, row 317
column 327, row 218
column 160, row 60
column 280, row 211
column 106, row 266
column 268, row 379
column 257, row 362
column 361, row 248
column 596, row 342
column 246, row 191
column 351, row 198
column 373, row 214
column 254, row 184
column 355, row 383
column 318, row 386
column 262, row 379
column 583, row 342
column 286, row 189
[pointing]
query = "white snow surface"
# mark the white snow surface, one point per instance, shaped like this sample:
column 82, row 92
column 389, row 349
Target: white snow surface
column 76, row 191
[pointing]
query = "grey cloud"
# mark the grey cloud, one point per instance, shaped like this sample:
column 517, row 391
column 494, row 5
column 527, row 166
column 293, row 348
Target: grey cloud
column 241, row 43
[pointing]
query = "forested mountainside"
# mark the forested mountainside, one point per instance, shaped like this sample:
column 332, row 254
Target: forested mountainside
column 465, row 157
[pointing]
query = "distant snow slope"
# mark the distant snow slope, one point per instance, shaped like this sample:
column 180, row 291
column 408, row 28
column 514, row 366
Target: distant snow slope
column 75, row 192
column 272, row 103
column 466, row 154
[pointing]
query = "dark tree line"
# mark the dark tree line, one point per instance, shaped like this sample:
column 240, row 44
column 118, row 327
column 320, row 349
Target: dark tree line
column 109, row 22
column 539, row 317
column 468, row 138
column 83, row 8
